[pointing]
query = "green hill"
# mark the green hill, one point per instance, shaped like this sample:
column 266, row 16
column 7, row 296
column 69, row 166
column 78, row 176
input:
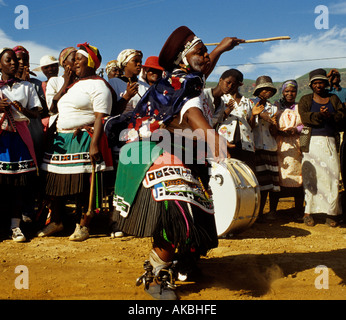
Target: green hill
column 303, row 85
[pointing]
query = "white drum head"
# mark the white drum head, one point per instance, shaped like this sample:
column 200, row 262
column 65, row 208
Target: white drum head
column 224, row 197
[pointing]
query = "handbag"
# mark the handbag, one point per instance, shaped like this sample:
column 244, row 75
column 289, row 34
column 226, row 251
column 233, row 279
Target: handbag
column 304, row 139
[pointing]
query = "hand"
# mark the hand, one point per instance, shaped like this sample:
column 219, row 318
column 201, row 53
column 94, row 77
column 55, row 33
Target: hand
column 4, row 105
column 95, row 154
column 229, row 43
column 131, row 90
column 324, row 112
column 257, row 109
column 229, row 107
column 26, row 74
column 68, row 76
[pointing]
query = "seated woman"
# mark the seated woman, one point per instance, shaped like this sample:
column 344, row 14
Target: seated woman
column 18, row 103
column 166, row 196
column 77, row 144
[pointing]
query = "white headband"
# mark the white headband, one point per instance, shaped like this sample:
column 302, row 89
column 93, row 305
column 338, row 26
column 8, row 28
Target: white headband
column 84, row 53
column 188, row 46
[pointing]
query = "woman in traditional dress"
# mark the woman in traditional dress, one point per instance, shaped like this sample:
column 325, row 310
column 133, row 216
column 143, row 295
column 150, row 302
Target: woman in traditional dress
column 324, row 113
column 264, row 128
column 79, row 141
column 288, row 152
column 166, row 197
column 18, row 103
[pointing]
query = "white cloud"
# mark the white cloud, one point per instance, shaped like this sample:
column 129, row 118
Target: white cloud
column 337, row 8
column 36, row 50
column 2, row 3
column 323, row 46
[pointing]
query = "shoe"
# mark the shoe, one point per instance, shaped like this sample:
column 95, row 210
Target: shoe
column 17, row 235
column 332, row 222
column 50, row 229
column 81, row 233
column 308, row 220
column 117, row 234
column 271, row 216
column 160, row 291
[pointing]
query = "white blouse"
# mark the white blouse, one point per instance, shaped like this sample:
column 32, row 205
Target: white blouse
column 78, row 106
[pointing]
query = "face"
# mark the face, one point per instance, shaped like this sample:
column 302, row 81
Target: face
column 153, row 75
column 290, row 94
column 81, row 66
column 114, row 73
column 9, row 63
column 266, row 93
column 318, row 86
column 51, row 70
column 70, row 61
column 229, row 85
column 198, row 58
column 134, row 66
column 23, row 60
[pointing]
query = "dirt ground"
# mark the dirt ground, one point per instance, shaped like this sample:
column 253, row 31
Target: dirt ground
column 269, row 261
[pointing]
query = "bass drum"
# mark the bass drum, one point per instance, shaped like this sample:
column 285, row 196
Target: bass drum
column 236, row 196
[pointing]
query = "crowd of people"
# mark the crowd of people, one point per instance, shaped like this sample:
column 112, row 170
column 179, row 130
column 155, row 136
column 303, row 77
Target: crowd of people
column 63, row 139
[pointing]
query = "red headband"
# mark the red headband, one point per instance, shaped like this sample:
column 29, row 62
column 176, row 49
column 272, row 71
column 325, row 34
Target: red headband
column 91, row 53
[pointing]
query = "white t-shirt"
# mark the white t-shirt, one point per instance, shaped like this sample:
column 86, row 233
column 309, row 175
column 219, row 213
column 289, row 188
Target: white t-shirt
column 77, row 107
column 23, row 92
column 54, row 85
column 200, row 102
column 120, row 87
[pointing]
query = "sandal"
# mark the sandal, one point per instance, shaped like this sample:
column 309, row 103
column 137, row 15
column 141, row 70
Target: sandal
column 308, row 220
column 332, row 222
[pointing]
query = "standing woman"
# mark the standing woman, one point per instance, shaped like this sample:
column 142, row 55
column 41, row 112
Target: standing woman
column 264, row 130
column 289, row 154
column 128, row 88
column 77, row 144
column 151, row 71
column 325, row 115
column 147, row 197
column 18, row 103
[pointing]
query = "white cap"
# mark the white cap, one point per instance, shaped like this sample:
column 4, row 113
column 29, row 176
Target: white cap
column 46, row 61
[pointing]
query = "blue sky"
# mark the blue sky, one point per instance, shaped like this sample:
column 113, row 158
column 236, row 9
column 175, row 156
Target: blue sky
column 114, row 25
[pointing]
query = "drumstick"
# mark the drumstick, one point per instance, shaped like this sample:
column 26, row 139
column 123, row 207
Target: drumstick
column 254, row 40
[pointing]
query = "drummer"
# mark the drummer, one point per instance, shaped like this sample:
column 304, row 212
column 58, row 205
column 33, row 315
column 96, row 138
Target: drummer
column 180, row 223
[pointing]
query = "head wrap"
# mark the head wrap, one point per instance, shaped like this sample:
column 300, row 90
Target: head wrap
column 65, row 53
column 111, row 64
column 92, row 53
column 20, row 49
column 289, row 83
column 126, row 55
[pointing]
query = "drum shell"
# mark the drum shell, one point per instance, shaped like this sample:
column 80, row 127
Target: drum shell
column 236, row 196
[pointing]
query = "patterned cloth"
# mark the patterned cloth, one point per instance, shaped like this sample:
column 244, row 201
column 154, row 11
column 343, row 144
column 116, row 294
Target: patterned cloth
column 321, row 173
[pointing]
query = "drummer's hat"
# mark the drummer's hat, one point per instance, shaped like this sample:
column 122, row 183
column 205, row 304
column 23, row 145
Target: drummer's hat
column 264, row 82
